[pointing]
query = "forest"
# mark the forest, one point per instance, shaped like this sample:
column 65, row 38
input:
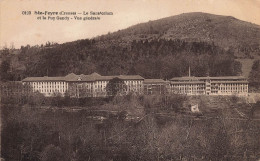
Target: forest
column 150, row 59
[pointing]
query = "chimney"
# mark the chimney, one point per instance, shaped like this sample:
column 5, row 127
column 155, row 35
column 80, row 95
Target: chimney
column 189, row 71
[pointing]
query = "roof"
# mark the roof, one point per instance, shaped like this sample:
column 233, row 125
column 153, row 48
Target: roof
column 211, row 78
column 191, row 82
column 130, row 77
column 223, row 77
column 151, row 81
column 184, row 78
column 104, row 78
column 88, row 78
column 95, row 74
column 71, row 77
column 123, row 77
column 45, row 78
column 229, row 82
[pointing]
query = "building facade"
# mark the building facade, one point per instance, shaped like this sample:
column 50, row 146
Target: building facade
column 48, row 86
column 93, row 85
column 228, row 85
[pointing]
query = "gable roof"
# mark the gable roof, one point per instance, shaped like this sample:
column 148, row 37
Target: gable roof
column 87, row 78
column 71, row 77
column 95, row 74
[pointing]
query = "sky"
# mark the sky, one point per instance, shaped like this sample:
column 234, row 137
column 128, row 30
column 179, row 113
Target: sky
column 18, row 29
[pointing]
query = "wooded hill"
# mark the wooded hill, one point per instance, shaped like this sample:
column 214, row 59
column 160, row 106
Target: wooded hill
column 154, row 59
column 164, row 48
column 225, row 31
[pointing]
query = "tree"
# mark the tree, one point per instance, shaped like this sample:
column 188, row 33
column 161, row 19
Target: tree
column 115, row 86
column 36, row 98
column 254, row 76
column 4, row 70
column 56, row 99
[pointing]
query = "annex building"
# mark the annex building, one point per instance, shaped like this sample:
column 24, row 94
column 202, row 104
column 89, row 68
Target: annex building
column 155, row 86
column 227, row 85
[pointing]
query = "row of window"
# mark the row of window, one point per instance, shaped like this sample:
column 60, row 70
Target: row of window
column 229, row 91
column 50, row 90
column 231, row 84
column 133, row 82
column 49, row 86
column 192, row 85
column 41, row 83
column 235, row 88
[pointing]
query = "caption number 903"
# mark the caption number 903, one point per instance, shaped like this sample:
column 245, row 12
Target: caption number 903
column 26, row 12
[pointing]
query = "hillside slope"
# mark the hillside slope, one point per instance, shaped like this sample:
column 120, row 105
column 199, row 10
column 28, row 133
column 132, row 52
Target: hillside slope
column 224, row 31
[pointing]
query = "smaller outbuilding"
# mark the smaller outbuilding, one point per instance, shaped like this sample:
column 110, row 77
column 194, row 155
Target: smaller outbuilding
column 155, row 86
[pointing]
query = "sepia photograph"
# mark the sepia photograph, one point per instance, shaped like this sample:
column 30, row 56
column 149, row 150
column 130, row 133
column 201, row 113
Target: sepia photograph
column 130, row 80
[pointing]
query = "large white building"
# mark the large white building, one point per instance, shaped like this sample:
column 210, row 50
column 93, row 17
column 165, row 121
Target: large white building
column 93, row 85
column 47, row 85
column 227, row 85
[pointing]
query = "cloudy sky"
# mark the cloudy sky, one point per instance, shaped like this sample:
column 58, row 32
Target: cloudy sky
column 19, row 29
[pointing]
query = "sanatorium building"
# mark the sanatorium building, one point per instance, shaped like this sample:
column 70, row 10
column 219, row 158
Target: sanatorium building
column 94, row 85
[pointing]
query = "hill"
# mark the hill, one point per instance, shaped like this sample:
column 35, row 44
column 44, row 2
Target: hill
column 211, row 44
column 224, row 31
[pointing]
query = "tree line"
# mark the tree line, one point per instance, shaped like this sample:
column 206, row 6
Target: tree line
column 150, row 59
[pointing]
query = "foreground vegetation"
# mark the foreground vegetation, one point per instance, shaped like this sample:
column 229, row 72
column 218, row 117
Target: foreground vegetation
column 30, row 133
